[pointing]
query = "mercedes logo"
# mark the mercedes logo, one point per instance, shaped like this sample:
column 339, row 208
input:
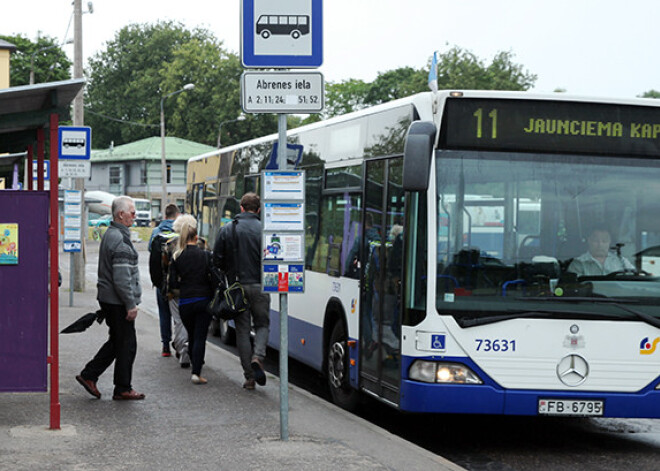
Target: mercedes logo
column 572, row 370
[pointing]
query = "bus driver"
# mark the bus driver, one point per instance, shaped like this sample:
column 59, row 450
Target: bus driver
column 599, row 260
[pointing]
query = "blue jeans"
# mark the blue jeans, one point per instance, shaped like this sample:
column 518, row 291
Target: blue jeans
column 165, row 319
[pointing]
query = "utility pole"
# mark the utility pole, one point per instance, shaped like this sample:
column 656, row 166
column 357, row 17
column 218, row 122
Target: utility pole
column 78, row 258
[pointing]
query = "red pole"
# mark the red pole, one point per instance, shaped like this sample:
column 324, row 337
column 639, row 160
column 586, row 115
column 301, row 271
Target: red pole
column 28, row 164
column 40, row 159
column 54, row 358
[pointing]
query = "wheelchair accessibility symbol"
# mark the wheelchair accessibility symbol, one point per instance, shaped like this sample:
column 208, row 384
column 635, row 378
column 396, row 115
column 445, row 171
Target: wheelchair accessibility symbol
column 438, row 341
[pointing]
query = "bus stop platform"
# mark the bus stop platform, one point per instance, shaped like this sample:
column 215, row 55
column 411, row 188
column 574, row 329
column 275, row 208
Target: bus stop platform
column 180, row 425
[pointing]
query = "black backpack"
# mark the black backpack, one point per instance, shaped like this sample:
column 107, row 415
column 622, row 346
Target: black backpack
column 156, row 268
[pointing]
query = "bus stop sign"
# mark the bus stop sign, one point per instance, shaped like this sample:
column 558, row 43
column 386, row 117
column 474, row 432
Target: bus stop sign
column 283, row 34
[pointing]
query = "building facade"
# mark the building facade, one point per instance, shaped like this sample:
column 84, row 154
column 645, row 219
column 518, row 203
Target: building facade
column 134, row 169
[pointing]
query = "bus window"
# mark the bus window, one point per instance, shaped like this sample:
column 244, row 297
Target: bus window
column 340, row 215
column 343, row 177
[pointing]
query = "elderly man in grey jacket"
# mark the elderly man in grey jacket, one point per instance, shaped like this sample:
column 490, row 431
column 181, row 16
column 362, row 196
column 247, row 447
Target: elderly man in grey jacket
column 119, row 293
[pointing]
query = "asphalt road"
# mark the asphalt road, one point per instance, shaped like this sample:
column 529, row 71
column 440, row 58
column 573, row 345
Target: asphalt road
column 477, row 442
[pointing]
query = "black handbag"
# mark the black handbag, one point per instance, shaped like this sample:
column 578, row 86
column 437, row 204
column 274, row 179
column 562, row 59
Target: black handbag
column 229, row 301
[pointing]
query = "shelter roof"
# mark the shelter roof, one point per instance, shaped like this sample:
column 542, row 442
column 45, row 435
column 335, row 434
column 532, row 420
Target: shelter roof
column 24, row 109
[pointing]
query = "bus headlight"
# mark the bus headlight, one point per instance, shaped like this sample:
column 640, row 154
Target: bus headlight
column 441, row 372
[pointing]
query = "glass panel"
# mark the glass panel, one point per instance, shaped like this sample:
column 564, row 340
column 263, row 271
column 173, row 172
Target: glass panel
column 518, row 228
column 416, row 256
column 142, row 205
column 338, row 233
column 371, row 257
column 344, row 177
column 391, row 287
column 312, row 208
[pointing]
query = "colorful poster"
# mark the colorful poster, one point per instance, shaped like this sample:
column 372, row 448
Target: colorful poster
column 283, row 278
column 8, row 244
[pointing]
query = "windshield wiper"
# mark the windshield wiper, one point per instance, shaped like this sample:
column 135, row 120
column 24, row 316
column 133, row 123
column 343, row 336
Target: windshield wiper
column 649, row 319
column 589, row 299
column 476, row 321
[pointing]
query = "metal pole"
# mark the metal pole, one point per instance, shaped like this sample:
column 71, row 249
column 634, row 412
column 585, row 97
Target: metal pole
column 78, row 258
column 163, row 163
column 54, row 358
column 284, row 307
column 71, row 279
column 32, row 71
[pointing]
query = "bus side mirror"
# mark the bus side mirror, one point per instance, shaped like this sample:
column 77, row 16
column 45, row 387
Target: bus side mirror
column 417, row 154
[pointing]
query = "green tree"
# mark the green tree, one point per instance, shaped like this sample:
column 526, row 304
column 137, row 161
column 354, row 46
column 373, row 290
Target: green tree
column 397, row 83
column 50, row 63
column 650, row 94
column 457, row 69
column 344, row 97
column 215, row 100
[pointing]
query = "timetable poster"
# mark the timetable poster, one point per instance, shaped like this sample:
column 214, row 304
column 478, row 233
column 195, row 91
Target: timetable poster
column 284, row 186
column 284, row 217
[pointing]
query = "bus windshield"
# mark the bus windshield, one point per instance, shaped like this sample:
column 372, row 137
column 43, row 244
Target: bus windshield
column 515, row 231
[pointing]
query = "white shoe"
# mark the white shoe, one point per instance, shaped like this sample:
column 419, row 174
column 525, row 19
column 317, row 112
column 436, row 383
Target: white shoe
column 198, row 379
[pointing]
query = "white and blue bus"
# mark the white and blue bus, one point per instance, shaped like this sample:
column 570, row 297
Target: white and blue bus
column 440, row 230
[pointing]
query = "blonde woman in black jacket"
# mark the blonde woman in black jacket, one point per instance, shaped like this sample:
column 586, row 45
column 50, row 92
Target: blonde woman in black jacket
column 190, row 273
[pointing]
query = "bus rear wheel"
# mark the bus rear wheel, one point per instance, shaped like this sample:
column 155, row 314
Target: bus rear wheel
column 221, row 328
column 295, row 34
column 337, row 370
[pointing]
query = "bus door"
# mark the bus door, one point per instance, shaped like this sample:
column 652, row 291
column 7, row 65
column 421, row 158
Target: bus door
column 381, row 262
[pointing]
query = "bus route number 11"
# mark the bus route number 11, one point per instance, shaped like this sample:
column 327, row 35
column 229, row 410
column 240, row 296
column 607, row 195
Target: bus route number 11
column 479, row 114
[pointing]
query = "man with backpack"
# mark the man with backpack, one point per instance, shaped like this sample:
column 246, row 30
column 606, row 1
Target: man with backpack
column 159, row 237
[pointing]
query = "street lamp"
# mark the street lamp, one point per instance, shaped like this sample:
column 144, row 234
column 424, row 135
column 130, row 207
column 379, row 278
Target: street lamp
column 163, row 163
column 42, row 49
column 241, row 117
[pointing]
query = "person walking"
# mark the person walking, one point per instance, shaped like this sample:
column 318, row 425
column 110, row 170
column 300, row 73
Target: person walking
column 237, row 252
column 180, row 342
column 190, row 273
column 119, row 293
column 159, row 237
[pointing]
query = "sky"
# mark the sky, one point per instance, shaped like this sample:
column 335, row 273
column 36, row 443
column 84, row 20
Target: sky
column 594, row 48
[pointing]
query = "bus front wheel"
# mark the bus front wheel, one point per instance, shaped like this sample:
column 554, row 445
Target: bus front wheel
column 337, row 371
column 265, row 34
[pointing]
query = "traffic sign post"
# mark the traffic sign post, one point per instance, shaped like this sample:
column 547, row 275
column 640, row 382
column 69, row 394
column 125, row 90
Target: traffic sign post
column 75, row 150
column 75, row 142
column 285, row 34
column 282, row 92
column 35, row 173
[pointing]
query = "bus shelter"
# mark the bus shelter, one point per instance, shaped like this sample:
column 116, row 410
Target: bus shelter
column 29, row 312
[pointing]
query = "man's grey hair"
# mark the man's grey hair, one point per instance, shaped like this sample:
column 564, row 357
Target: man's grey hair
column 120, row 203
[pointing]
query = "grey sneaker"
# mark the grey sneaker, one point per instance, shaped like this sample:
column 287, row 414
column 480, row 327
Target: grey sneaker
column 249, row 384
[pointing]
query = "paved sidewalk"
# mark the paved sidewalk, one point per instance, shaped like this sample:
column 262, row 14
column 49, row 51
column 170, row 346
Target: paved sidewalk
column 179, row 425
